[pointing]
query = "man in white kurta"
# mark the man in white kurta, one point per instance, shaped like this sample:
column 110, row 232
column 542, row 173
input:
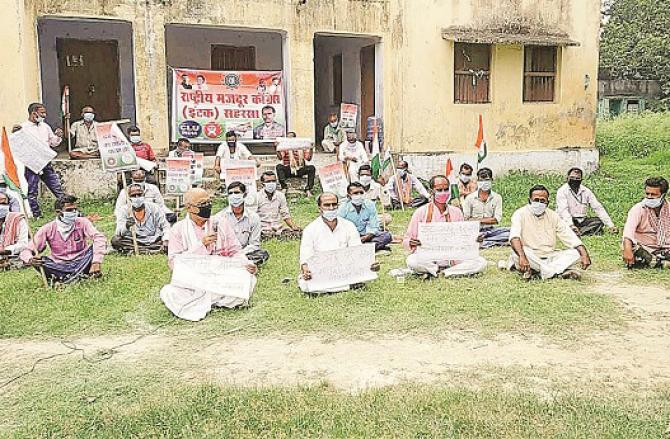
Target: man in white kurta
column 352, row 154
column 195, row 235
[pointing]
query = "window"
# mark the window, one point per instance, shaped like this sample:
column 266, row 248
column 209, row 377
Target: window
column 233, row 57
column 337, row 79
column 472, row 75
column 539, row 74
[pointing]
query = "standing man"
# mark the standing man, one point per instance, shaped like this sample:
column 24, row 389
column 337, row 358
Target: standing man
column 273, row 210
column 13, row 234
column 39, row 129
column 438, row 210
column 486, row 206
column 333, row 134
column 572, row 204
column 363, row 213
column 533, row 239
column 352, row 154
column 646, row 236
column 85, row 137
column 269, row 129
column 404, row 186
column 247, row 224
column 151, row 227
column 295, row 163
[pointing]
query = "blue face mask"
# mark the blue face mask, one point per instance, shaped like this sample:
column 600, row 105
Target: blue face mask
column 69, row 218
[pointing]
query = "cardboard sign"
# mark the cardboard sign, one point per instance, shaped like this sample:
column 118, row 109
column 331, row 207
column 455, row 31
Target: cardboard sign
column 342, row 267
column 244, row 175
column 293, row 143
column 29, row 150
column 116, row 153
column 177, row 175
column 218, row 275
column 449, row 241
column 348, row 115
column 333, row 179
column 197, row 168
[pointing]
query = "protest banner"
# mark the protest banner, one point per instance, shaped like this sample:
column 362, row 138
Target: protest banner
column 197, row 168
column 348, row 115
column 293, row 143
column 449, row 241
column 206, row 104
column 333, row 179
column 146, row 164
column 247, row 176
column 177, row 175
column 342, row 267
column 116, row 152
column 217, row 275
column 30, row 151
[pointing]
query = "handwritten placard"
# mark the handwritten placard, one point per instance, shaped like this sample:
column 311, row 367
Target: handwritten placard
column 177, row 175
column 293, row 143
column 333, row 179
column 244, row 175
column 455, row 241
column 217, row 275
column 197, row 168
column 348, row 115
column 29, row 150
column 342, row 267
column 116, row 152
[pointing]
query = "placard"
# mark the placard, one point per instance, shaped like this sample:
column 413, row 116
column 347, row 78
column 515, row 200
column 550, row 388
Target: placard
column 348, row 115
column 31, row 151
column 293, row 143
column 217, row 275
column 333, row 179
column 244, row 175
column 455, row 241
column 177, row 175
column 342, row 267
column 197, row 168
column 116, row 152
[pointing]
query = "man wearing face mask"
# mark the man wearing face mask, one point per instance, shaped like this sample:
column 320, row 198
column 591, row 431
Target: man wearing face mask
column 247, row 224
column 14, row 200
column 149, row 221
column 646, row 236
column 197, row 235
column 85, row 138
column 77, row 247
column 231, row 149
column 13, row 234
column 352, row 154
column 438, row 210
column 333, row 134
column 39, row 129
column 404, row 187
column 326, row 233
column 533, row 238
column 572, row 203
column 486, row 206
column 363, row 213
column 151, row 194
column 183, row 149
column 296, row 164
column 273, row 210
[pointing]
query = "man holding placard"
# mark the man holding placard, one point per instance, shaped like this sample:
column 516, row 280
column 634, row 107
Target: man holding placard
column 363, row 214
column 231, row 149
column 324, row 268
column 201, row 280
column 295, row 162
column 273, row 210
column 438, row 238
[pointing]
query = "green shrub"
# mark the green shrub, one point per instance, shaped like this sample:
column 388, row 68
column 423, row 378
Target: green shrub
column 634, row 135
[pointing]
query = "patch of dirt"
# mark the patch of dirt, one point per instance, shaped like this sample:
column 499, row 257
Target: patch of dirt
column 633, row 357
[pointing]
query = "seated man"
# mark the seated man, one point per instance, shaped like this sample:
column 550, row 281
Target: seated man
column 85, row 137
column 13, row 234
column 533, row 239
column 437, row 210
column 646, row 236
column 333, row 134
column 404, row 186
column 14, row 200
column 363, row 213
column 353, row 155
column 183, row 149
column 150, row 193
column 572, row 203
column 142, row 151
column 273, row 210
column 246, row 224
column 196, row 235
column 466, row 184
column 231, row 149
column 326, row 233
column 148, row 220
column 296, row 164
column 68, row 237
column 375, row 191
column 486, row 206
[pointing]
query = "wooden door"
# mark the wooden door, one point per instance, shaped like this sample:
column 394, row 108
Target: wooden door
column 91, row 69
column 233, row 57
column 367, row 86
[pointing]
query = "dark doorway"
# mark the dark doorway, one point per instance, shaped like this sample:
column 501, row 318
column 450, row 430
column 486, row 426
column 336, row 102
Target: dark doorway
column 367, row 85
column 91, row 70
column 233, row 57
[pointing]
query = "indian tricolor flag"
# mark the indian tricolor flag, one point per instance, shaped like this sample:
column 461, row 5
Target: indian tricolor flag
column 482, row 150
column 65, row 101
column 8, row 170
column 453, row 182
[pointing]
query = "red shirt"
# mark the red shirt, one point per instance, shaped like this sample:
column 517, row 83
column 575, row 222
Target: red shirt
column 144, row 151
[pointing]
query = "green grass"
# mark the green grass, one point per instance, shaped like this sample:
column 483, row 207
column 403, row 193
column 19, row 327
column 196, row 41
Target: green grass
column 91, row 401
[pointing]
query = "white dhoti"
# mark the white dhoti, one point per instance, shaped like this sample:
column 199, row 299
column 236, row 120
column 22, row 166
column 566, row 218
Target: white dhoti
column 302, row 283
column 328, row 145
column 550, row 265
column 427, row 265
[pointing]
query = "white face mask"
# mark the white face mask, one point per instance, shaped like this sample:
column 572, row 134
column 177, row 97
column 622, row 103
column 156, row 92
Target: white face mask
column 270, row 187
column 538, row 208
column 329, row 215
column 334, row 124
column 137, row 202
column 357, row 199
column 4, row 210
column 402, row 173
column 135, row 139
column 365, row 180
column 654, row 203
column 39, row 119
column 485, row 185
column 465, row 178
column 236, row 200
column 88, row 117
column 69, row 218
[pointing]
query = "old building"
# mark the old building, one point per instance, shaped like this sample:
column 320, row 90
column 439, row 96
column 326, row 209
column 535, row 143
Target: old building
column 428, row 68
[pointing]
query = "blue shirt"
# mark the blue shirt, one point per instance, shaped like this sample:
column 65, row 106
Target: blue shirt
column 366, row 221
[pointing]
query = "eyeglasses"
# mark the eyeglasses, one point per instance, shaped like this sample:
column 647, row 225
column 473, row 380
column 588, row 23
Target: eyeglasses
column 329, row 205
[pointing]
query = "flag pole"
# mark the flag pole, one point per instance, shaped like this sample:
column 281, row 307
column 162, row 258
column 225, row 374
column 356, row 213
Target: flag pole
column 31, row 235
column 397, row 183
column 133, row 229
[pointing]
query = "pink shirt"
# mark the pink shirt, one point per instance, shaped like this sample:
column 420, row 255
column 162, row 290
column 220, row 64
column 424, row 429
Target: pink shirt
column 70, row 249
column 639, row 227
column 226, row 244
column 420, row 216
column 43, row 132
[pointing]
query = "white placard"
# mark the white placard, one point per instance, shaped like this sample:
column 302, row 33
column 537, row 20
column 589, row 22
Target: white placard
column 293, row 143
column 31, row 151
column 217, row 275
column 236, row 164
column 455, row 241
column 146, row 164
column 333, row 179
column 338, row 268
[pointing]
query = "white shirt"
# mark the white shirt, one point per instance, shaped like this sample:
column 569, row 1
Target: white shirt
column 416, row 186
column 223, row 152
column 42, row 131
column 353, row 150
column 570, row 205
column 317, row 237
column 22, row 240
column 151, row 194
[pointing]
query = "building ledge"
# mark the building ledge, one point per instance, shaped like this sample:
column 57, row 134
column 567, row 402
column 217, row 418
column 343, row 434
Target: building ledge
column 514, row 36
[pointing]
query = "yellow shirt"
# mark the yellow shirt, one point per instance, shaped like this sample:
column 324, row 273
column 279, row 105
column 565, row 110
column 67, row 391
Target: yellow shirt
column 540, row 233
